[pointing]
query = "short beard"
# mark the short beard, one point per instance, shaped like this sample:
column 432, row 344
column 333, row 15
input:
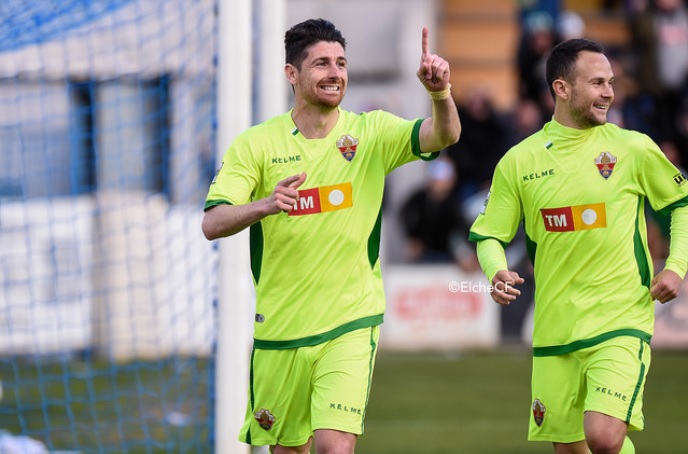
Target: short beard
column 584, row 118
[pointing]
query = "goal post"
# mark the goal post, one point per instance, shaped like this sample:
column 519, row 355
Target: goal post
column 264, row 26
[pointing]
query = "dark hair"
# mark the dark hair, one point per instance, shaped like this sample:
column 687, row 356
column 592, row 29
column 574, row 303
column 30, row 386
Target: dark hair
column 301, row 36
column 562, row 59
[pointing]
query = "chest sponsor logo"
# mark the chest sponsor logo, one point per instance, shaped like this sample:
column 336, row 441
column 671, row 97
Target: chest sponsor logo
column 323, row 199
column 347, row 146
column 605, row 163
column 580, row 217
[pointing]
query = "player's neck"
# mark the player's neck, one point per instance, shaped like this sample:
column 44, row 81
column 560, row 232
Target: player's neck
column 314, row 123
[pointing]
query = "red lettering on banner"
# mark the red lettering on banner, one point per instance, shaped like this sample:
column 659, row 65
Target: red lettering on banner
column 435, row 303
column 558, row 219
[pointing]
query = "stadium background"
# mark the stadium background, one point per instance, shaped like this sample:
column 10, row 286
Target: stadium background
column 119, row 328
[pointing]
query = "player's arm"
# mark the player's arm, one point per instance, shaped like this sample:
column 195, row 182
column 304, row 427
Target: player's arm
column 226, row 220
column 492, row 258
column 666, row 284
column 443, row 128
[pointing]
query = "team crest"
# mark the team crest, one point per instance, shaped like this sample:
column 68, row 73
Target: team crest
column 605, row 163
column 265, row 419
column 538, row 412
column 347, row 146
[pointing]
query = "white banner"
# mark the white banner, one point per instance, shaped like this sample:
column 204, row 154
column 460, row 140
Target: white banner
column 437, row 307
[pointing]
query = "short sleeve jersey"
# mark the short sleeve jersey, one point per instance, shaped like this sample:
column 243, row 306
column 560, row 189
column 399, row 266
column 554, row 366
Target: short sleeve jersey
column 316, row 270
column 581, row 195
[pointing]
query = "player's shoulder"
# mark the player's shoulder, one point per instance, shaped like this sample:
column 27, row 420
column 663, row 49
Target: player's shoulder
column 526, row 148
column 276, row 124
column 630, row 135
column 369, row 116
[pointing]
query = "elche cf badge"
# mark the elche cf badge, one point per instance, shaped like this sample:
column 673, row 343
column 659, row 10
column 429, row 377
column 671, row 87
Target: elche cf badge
column 605, row 163
column 265, row 418
column 347, row 146
column 539, row 411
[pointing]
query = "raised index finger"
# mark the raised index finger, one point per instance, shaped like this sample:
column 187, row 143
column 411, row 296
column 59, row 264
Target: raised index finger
column 424, row 42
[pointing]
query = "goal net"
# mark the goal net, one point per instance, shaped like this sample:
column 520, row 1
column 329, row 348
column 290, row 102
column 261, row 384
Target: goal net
column 107, row 288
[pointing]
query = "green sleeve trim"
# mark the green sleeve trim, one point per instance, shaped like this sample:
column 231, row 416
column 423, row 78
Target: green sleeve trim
column 213, row 203
column 475, row 237
column 585, row 343
column 374, row 240
column 365, row 322
column 641, row 258
column 415, row 144
column 531, row 247
column 672, row 206
column 257, row 244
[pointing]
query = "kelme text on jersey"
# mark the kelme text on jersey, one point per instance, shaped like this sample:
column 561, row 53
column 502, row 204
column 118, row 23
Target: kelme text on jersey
column 286, row 159
column 538, row 175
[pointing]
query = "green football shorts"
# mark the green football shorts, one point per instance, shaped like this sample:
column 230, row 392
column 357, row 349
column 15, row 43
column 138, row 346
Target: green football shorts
column 607, row 378
column 294, row 392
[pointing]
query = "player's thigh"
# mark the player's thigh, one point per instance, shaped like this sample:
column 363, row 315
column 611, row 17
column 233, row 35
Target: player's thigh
column 279, row 398
column 616, row 375
column 341, row 381
column 558, row 396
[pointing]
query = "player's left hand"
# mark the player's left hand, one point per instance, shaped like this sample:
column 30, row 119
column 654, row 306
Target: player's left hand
column 434, row 70
column 665, row 286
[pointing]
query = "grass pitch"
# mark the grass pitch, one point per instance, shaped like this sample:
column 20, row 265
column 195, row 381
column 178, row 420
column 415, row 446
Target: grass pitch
column 479, row 403
column 421, row 403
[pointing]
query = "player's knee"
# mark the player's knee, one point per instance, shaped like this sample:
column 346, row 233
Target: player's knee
column 605, row 444
column 303, row 449
column 334, row 442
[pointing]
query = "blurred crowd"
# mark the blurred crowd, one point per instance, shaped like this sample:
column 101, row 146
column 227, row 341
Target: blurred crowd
column 651, row 96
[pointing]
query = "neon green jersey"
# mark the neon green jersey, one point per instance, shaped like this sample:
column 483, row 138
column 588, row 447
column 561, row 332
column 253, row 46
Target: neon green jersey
column 581, row 197
column 316, row 270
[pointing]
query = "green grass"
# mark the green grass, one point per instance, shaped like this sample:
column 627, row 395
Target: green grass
column 479, row 403
column 470, row 402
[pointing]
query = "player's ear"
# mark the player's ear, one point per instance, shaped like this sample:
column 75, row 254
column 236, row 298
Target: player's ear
column 290, row 73
column 561, row 88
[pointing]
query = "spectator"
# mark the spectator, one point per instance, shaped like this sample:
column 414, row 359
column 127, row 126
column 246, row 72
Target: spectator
column 432, row 220
column 537, row 39
column 660, row 39
column 483, row 141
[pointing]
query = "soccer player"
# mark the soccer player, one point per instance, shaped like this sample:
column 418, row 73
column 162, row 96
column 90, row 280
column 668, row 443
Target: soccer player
column 309, row 184
column 579, row 185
